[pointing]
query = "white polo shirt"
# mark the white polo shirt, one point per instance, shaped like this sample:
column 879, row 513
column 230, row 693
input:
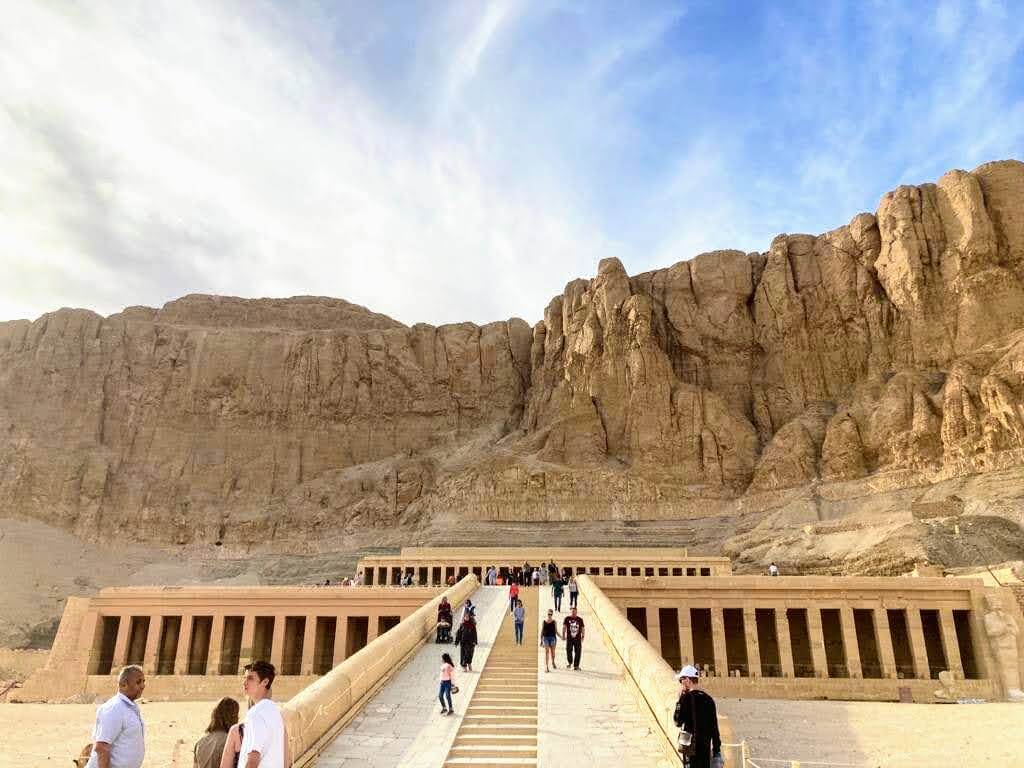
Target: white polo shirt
column 119, row 724
column 264, row 733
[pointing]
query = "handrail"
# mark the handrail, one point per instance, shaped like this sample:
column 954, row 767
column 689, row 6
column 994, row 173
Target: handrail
column 314, row 712
column 651, row 674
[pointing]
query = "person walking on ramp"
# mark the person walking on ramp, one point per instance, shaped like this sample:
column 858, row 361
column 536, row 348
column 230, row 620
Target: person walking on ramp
column 696, row 715
column 573, row 631
column 519, row 615
column 548, row 639
column 445, row 692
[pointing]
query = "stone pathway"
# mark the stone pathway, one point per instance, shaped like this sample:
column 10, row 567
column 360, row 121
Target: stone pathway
column 591, row 717
column 402, row 724
column 500, row 725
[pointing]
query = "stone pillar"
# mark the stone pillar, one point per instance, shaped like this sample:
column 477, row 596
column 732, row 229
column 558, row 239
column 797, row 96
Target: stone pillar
column 216, row 641
column 953, row 661
column 654, row 628
column 718, row 639
column 308, row 645
column 917, row 646
column 248, row 632
column 817, row 636
column 886, row 655
column 753, row 650
column 277, row 643
column 853, row 667
column 685, row 635
column 785, row 643
column 340, row 639
column 373, row 627
column 152, row 653
column 184, row 638
column 121, row 643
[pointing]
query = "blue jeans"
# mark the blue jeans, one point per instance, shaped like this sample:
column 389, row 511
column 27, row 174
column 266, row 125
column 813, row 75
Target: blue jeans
column 558, row 603
column 445, row 693
column 519, row 632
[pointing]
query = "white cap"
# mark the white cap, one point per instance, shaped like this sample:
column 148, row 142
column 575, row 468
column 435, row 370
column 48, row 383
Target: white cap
column 688, row 671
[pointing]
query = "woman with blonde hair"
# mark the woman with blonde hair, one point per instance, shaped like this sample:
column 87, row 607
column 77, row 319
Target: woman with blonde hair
column 209, row 749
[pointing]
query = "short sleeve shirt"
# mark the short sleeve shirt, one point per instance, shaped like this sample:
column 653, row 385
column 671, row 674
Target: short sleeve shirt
column 573, row 627
column 119, row 724
column 264, row 733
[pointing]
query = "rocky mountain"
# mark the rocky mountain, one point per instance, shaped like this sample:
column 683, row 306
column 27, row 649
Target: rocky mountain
column 852, row 400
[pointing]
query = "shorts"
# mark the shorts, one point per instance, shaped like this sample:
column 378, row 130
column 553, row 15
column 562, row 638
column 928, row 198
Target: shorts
column 549, row 641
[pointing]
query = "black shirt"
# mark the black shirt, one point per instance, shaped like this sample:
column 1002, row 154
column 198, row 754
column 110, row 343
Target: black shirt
column 548, row 628
column 697, row 702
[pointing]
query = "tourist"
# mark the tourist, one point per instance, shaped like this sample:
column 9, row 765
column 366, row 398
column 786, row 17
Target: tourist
column 557, row 587
column 524, row 575
column 445, row 692
column 536, row 577
column 444, row 621
column 264, row 742
column 119, row 736
column 492, row 576
column 696, row 714
column 574, row 592
column 513, row 596
column 544, row 573
column 573, row 631
column 519, row 619
column 208, row 751
column 549, row 639
column 359, row 579
column 466, row 638
column 773, row 570
column 468, row 609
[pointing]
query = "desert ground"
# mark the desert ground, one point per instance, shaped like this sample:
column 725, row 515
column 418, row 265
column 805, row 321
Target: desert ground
column 51, row 734
column 879, row 734
column 862, row 734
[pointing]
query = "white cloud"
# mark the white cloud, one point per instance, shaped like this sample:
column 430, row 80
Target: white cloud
column 154, row 150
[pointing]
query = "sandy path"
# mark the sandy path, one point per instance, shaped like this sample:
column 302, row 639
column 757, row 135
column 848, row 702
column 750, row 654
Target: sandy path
column 36, row 735
column 879, row 733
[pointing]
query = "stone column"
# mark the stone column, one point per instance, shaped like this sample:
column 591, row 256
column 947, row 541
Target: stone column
column 121, row 643
column 949, row 642
column 917, row 646
column 817, row 636
column 340, row 639
column 248, row 632
column 373, row 627
column 718, row 639
column 785, row 643
column 277, row 643
column 849, row 626
column 685, row 636
column 654, row 628
column 883, row 636
column 216, row 641
column 753, row 650
column 184, row 636
column 308, row 646
column 152, row 653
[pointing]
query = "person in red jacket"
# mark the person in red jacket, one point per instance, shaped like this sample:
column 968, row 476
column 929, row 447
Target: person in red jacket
column 513, row 596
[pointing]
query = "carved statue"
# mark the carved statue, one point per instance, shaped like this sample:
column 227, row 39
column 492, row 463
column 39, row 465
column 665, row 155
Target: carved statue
column 1001, row 628
column 949, row 691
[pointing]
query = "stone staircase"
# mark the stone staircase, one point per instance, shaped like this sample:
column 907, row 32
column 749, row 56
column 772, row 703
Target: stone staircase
column 499, row 728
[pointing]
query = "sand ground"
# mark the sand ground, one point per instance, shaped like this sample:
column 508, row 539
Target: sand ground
column 879, row 733
column 36, row 735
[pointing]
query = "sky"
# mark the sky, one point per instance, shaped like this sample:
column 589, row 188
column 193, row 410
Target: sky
column 443, row 162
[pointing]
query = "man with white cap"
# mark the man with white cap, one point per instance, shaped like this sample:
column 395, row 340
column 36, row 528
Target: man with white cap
column 697, row 715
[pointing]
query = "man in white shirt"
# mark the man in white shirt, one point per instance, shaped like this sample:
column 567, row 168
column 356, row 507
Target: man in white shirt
column 119, row 736
column 264, row 742
column 773, row 570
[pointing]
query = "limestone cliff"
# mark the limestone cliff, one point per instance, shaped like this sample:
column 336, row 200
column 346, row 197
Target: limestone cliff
column 764, row 390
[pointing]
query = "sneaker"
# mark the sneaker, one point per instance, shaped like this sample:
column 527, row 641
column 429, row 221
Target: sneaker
column 444, row 711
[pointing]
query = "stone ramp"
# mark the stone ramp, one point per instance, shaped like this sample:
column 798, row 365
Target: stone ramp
column 500, row 725
column 402, row 724
column 592, row 717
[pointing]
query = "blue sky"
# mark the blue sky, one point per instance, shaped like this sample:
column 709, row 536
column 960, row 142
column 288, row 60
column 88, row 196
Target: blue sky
column 463, row 161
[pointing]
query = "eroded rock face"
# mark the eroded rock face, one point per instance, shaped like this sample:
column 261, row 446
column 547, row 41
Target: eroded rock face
column 891, row 348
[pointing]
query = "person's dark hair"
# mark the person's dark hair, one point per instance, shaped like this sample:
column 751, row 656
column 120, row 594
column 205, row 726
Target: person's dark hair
column 264, row 671
column 224, row 715
column 447, row 659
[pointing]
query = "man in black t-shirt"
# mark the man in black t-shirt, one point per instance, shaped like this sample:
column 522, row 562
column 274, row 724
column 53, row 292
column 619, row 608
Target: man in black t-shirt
column 573, row 631
column 696, row 714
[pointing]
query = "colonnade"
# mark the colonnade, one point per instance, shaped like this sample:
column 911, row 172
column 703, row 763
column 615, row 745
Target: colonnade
column 218, row 644
column 790, row 639
column 438, row 572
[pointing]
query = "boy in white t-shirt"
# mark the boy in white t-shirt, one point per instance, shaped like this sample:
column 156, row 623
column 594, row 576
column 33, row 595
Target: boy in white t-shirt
column 264, row 742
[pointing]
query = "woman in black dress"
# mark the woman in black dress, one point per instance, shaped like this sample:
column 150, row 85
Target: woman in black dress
column 465, row 638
